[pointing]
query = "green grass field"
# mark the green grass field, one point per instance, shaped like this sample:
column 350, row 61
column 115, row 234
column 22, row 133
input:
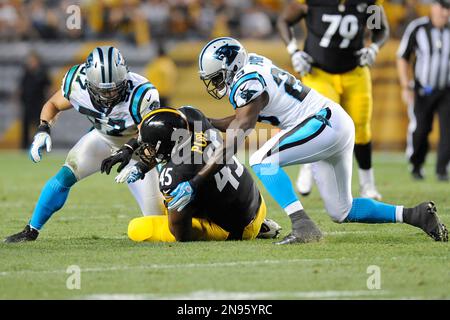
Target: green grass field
column 90, row 232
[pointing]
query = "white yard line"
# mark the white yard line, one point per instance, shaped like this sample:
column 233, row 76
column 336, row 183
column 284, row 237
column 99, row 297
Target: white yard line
column 223, row 295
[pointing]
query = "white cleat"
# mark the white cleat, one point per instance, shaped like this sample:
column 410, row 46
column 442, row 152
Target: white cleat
column 370, row 191
column 305, row 180
column 270, row 229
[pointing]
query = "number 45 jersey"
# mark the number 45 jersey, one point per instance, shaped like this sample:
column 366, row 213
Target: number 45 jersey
column 123, row 118
column 290, row 101
column 229, row 197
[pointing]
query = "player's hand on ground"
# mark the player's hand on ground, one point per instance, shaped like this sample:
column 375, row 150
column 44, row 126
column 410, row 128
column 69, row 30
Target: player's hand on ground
column 182, row 195
column 122, row 156
column 41, row 140
column 301, row 61
column 368, row 55
column 131, row 174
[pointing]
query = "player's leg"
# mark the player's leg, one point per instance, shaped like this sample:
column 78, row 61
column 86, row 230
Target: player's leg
column 82, row 160
column 147, row 194
column 443, row 157
column 357, row 101
column 333, row 178
column 310, row 141
column 423, row 115
column 324, row 83
column 156, row 229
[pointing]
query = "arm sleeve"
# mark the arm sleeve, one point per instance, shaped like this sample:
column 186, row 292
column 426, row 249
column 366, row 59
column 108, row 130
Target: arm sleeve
column 407, row 43
column 68, row 81
column 246, row 89
column 144, row 99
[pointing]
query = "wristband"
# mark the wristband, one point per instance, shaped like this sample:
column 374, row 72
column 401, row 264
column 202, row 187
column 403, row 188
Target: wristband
column 44, row 127
column 292, row 47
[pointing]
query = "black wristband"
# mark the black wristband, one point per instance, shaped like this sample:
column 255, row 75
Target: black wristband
column 133, row 144
column 44, row 127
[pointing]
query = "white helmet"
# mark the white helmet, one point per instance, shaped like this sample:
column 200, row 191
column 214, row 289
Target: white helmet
column 106, row 76
column 218, row 62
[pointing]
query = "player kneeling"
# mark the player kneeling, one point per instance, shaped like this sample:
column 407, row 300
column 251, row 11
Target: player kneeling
column 228, row 206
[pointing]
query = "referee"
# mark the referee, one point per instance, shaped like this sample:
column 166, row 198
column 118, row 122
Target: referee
column 428, row 40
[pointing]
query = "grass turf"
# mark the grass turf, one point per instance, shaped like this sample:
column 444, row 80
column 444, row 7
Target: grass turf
column 90, row 232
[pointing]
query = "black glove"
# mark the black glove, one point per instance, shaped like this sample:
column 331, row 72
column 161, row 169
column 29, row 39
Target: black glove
column 122, row 156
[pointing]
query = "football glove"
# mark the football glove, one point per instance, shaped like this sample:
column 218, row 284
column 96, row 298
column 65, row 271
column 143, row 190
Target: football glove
column 368, row 55
column 122, row 156
column 301, row 61
column 182, row 195
column 41, row 139
column 132, row 174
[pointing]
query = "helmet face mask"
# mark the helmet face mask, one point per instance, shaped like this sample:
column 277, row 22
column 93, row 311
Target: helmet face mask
column 216, row 85
column 108, row 97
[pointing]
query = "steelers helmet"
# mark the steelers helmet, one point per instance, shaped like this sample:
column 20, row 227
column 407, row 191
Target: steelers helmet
column 106, row 77
column 218, row 62
column 160, row 132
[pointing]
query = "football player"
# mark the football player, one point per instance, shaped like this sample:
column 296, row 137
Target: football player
column 115, row 101
column 228, row 206
column 314, row 129
column 336, row 63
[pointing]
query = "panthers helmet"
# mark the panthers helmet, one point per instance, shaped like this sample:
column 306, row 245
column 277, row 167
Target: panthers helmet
column 106, row 77
column 218, row 62
column 156, row 134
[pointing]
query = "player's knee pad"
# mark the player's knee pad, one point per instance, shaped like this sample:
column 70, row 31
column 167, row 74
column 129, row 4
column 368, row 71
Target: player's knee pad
column 338, row 214
column 140, row 229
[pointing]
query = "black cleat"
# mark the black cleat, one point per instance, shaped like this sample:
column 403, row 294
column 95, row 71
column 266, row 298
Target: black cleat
column 424, row 216
column 27, row 234
column 443, row 177
column 305, row 232
column 417, row 174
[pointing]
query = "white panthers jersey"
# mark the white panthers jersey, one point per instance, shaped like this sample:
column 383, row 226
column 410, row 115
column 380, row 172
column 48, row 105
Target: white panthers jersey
column 290, row 102
column 123, row 118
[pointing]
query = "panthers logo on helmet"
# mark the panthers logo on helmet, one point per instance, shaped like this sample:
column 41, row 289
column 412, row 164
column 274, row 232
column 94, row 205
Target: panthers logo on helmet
column 227, row 51
column 89, row 60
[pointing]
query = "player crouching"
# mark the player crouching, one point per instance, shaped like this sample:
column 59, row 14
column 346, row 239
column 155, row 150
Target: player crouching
column 229, row 205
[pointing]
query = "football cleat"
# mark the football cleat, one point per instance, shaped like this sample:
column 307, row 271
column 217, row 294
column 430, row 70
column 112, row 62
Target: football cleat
column 369, row 191
column 424, row 216
column 27, row 234
column 269, row 230
column 305, row 180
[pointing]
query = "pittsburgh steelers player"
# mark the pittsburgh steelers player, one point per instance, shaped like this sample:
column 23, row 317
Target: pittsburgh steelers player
column 314, row 129
column 335, row 62
column 115, row 101
column 228, row 206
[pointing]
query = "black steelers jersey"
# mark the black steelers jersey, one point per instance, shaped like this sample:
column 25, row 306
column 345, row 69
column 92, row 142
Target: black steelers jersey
column 229, row 197
column 336, row 31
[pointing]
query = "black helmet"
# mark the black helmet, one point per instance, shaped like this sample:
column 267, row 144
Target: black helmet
column 156, row 133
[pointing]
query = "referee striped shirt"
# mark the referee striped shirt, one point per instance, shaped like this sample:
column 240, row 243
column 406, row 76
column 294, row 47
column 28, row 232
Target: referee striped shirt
column 431, row 48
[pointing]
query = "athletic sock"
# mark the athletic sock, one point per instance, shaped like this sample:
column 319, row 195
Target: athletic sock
column 363, row 155
column 370, row 211
column 52, row 198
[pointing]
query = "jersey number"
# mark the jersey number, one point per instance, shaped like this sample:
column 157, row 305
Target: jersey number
column 292, row 86
column 225, row 176
column 347, row 26
column 165, row 179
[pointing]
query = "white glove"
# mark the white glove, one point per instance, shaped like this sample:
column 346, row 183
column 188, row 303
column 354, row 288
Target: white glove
column 130, row 174
column 368, row 55
column 41, row 140
column 301, row 61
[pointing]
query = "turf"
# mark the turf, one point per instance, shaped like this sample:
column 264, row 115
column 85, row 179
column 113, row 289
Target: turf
column 90, row 232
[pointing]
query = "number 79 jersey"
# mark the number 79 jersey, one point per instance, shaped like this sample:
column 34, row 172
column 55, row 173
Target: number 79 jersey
column 290, row 101
column 123, row 118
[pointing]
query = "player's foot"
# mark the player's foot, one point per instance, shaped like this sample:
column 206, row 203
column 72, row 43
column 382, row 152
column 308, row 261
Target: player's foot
column 27, row 234
column 424, row 216
column 417, row 174
column 305, row 180
column 269, row 230
column 303, row 231
column 443, row 177
column 369, row 191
